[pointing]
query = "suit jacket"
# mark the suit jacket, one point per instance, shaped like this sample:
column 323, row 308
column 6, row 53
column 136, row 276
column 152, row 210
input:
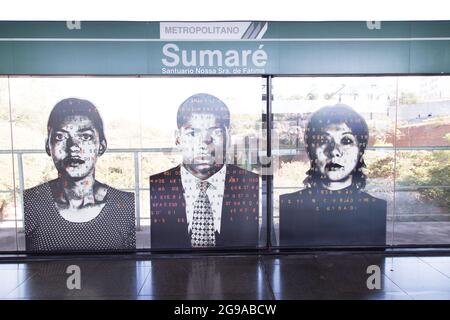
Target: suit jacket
column 319, row 217
column 240, row 210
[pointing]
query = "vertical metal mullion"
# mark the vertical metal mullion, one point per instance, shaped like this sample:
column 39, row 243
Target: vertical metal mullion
column 137, row 187
column 21, row 183
column 269, row 177
column 397, row 103
column 13, row 160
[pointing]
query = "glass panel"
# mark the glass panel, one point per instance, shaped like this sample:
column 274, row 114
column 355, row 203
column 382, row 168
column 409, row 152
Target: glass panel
column 334, row 185
column 203, row 123
column 423, row 112
column 108, row 136
column 8, row 234
column 74, row 143
column 422, row 208
column 422, row 197
column 406, row 163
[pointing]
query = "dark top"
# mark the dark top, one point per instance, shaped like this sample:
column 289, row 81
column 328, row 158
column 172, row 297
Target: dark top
column 46, row 230
column 314, row 217
column 240, row 210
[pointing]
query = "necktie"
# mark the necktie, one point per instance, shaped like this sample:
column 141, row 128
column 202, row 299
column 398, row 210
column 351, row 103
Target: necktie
column 202, row 228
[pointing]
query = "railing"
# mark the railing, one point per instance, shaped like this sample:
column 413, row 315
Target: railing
column 19, row 153
column 137, row 169
column 137, row 152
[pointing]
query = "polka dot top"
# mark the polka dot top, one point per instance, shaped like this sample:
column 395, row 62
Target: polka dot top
column 46, row 230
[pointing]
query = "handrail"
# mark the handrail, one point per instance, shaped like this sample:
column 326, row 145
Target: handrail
column 137, row 169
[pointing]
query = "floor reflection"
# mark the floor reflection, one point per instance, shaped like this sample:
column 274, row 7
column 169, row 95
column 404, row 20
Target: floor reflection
column 323, row 276
column 206, row 278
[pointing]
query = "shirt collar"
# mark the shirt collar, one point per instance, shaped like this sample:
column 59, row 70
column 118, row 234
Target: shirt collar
column 215, row 193
column 215, row 180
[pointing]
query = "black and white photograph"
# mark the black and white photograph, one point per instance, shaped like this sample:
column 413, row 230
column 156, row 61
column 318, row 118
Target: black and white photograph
column 75, row 211
column 204, row 202
column 333, row 208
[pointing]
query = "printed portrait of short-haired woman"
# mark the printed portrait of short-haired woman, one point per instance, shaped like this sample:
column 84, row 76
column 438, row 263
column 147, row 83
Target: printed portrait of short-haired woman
column 332, row 208
column 75, row 211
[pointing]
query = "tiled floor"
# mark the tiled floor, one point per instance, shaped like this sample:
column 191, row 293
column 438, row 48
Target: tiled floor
column 324, row 276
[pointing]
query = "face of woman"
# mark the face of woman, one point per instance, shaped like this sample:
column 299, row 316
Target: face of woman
column 75, row 146
column 337, row 152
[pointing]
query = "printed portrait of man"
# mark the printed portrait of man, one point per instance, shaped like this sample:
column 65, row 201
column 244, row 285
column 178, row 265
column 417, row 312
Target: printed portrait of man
column 204, row 202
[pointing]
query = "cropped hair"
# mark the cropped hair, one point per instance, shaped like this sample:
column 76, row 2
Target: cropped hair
column 203, row 103
column 330, row 115
column 75, row 107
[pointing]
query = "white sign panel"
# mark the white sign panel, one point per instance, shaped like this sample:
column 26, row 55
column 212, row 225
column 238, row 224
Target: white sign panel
column 212, row 30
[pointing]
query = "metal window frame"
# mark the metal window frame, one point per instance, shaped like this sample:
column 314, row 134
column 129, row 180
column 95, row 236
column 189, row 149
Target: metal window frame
column 267, row 248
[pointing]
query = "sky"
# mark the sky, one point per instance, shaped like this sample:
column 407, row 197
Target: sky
column 155, row 99
column 132, row 98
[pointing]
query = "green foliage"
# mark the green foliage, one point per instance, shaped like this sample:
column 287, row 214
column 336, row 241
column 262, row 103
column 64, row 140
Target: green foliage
column 381, row 167
column 406, row 98
column 439, row 176
column 429, row 171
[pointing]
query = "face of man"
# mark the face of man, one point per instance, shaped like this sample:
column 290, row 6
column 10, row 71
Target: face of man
column 74, row 146
column 202, row 141
column 337, row 152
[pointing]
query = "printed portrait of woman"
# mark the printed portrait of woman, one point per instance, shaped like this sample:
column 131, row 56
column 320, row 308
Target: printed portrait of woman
column 332, row 208
column 75, row 211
